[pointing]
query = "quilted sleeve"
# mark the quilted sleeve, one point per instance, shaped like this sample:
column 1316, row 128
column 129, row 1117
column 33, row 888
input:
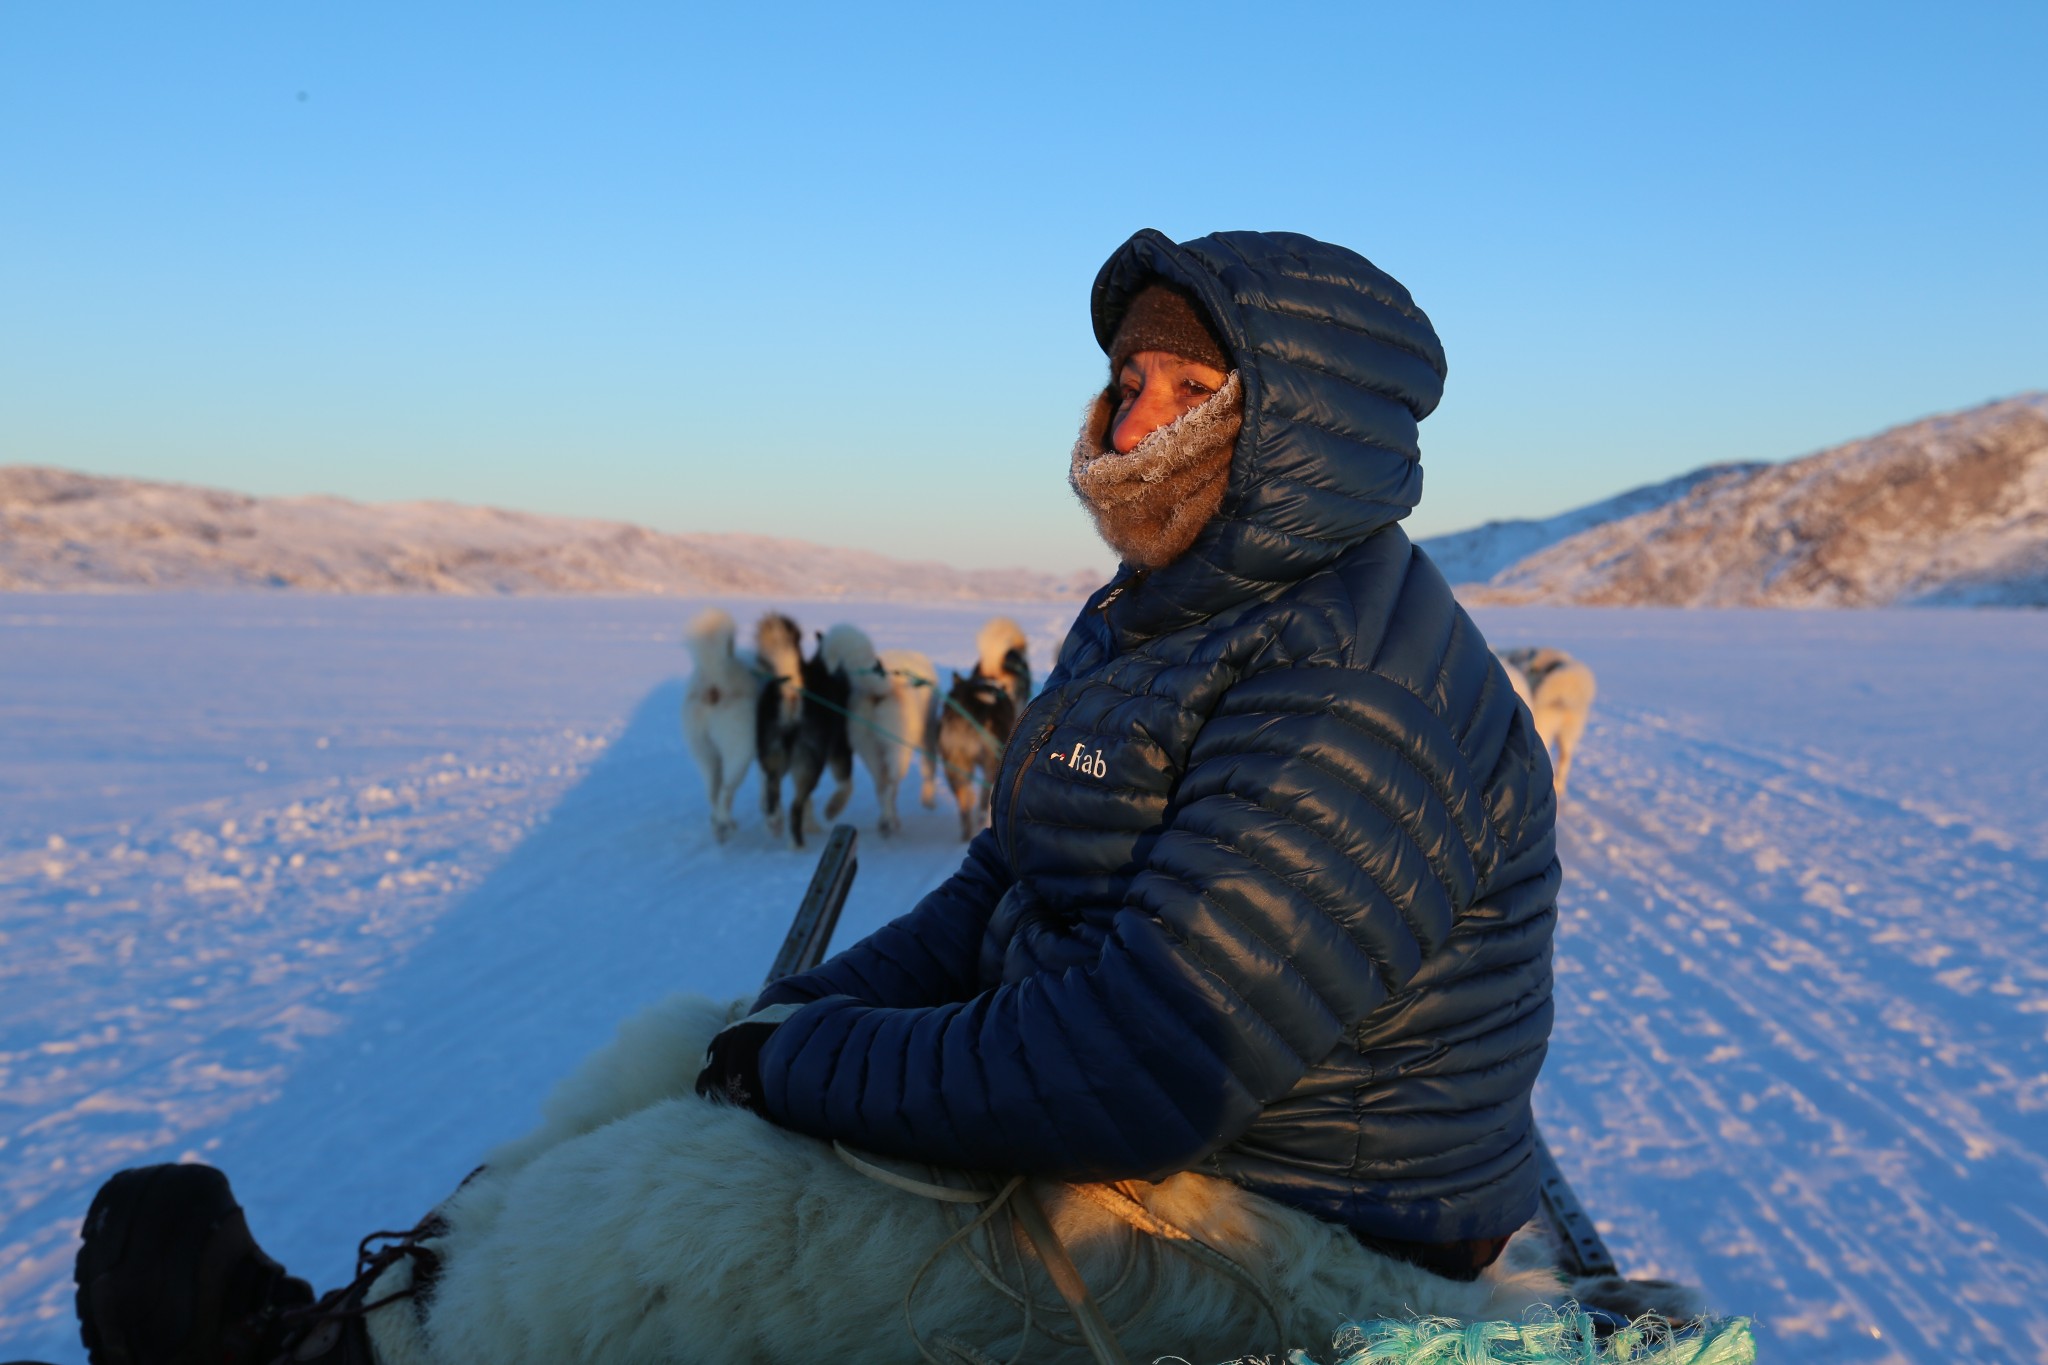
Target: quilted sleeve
column 926, row 957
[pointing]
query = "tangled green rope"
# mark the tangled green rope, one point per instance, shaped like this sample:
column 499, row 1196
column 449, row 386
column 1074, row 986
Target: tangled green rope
column 1545, row 1337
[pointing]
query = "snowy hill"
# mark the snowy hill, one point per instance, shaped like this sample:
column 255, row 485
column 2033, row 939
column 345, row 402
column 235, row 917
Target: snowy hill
column 1476, row 555
column 63, row 531
column 1952, row 510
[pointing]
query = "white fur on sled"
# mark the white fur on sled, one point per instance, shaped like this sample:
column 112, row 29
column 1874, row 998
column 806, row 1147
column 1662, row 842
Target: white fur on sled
column 642, row 1224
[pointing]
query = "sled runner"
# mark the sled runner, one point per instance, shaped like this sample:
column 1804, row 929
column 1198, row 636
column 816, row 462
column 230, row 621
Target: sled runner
column 1580, row 1248
column 810, row 933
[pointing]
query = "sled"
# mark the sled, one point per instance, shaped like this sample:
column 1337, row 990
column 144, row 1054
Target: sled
column 1580, row 1249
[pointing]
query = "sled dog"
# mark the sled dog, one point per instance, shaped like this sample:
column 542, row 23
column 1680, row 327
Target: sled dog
column 1000, row 654
column 778, row 708
column 975, row 721
column 1558, row 690
column 887, row 711
column 976, row 717
column 916, row 685
column 820, row 745
column 718, row 714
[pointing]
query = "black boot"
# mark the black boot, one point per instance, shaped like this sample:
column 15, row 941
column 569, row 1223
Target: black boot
column 169, row 1275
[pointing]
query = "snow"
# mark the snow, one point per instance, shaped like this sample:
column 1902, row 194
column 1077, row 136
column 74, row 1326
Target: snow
column 327, row 889
column 1802, row 1043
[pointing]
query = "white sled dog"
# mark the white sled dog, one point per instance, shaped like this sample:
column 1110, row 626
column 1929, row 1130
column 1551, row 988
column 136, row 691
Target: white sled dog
column 976, row 716
column 887, row 712
column 916, row 684
column 718, row 714
column 642, row 1225
column 1558, row 690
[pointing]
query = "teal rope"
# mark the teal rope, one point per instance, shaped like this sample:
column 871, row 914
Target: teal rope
column 995, row 746
column 1544, row 1337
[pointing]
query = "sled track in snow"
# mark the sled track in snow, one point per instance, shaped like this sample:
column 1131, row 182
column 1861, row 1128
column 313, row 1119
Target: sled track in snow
column 1800, row 1029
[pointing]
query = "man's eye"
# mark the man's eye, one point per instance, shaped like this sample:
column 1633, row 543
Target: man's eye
column 1196, row 386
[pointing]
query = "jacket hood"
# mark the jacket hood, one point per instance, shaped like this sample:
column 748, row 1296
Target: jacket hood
column 1338, row 366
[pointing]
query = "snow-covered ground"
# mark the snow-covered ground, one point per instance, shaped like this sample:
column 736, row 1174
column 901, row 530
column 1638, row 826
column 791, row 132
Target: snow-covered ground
column 327, row 890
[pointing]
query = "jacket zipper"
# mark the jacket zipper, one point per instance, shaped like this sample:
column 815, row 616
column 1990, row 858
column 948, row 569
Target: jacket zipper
column 1045, row 731
column 1038, row 740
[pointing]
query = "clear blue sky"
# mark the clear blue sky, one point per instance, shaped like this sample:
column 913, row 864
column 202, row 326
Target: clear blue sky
column 823, row 271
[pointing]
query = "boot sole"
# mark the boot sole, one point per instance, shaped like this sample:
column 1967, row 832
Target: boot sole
column 137, row 1272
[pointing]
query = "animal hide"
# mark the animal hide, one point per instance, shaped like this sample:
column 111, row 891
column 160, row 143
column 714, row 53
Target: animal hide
column 641, row 1224
column 1150, row 504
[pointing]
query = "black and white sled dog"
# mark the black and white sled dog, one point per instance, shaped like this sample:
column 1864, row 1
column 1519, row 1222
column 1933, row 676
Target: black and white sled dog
column 977, row 715
column 718, row 713
column 1558, row 690
column 778, row 708
column 889, row 702
column 818, row 741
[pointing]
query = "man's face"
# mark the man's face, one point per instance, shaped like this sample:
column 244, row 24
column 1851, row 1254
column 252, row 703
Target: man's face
column 1154, row 389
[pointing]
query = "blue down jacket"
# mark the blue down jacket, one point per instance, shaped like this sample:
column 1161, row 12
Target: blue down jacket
column 1270, row 884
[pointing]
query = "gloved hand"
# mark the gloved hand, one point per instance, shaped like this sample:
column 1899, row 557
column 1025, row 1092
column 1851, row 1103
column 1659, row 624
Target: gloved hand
column 732, row 1064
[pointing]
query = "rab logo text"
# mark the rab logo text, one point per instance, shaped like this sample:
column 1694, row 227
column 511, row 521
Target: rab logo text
column 1084, row 760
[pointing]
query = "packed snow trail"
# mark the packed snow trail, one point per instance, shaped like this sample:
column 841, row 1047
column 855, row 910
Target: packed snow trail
column 328, row 891
column 1803, row 974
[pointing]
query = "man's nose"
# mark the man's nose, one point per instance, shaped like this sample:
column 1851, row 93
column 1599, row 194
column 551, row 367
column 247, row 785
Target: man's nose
column 1151, row 410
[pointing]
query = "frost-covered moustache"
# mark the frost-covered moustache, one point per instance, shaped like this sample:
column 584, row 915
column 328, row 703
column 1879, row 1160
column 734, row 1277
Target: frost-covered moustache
column 1150, row 505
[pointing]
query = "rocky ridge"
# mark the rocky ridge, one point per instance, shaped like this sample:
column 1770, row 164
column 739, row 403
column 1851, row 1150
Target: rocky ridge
column 65, row 531
column 1950, row 510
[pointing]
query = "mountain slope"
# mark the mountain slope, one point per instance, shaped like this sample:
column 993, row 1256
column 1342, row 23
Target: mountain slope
column 1952, row 510
column 64, row 531
column 1475, row 555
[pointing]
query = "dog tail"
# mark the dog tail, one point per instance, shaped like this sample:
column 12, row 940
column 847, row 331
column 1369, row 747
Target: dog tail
column 846, row 649
column 710, row 636
column 998, row 638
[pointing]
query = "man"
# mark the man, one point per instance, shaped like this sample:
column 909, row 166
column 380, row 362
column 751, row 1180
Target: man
column 1264, row 911
column 1270, row 883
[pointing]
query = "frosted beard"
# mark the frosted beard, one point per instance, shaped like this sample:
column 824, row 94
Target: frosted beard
column 1150, row 505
